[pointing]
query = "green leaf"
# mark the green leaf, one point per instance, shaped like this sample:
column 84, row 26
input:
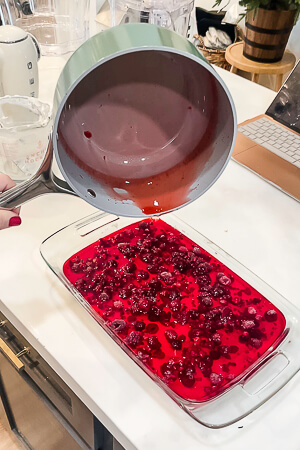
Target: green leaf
column 251, row 5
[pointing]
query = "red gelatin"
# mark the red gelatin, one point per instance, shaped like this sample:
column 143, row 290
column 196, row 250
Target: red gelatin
column 192, row 321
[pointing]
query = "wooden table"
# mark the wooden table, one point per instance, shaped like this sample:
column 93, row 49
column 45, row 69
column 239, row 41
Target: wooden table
column 234, row 55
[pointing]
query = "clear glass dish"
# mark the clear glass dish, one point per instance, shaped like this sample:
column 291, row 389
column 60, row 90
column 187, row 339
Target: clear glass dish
column 268, row 373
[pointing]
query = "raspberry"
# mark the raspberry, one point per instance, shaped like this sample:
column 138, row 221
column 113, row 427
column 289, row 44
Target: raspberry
column 224, row 349
column 206, row 302
column 155, row 285
column 118, row 304
column 153, row 342
column 143, row 275
column 256, row 343
column 130, row 267
column 154, row 314
column 153, row 268
column 216, row 338
column 243, row 338
column 187, row 379
column 176, row 344
column 134, row 339
column 139, row 325
column 124, row 293
column 171, row 335
column 143, row 356
column 226, row 281
column 118, row 325
column 181, row 264
column 215, row 354
column 165, row 276
column 168, row 372
column 215, row 379
column 174, row 305
column 248, row 324
column 103, row 297
column 270, row 316
column 206, row 362
column 250, row 312
column 144, row 305
column 197, row 251
column 194, row 314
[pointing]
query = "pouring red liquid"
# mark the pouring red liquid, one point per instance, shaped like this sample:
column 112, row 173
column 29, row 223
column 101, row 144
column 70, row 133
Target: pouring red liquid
column 147, row 135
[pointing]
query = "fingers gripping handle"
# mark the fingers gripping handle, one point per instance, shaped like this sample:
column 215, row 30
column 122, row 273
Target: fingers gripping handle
column 43, row 182
column 22, row 193
column 31, row 189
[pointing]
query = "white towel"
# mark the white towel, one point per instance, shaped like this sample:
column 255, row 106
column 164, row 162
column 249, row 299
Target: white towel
column 216, row 39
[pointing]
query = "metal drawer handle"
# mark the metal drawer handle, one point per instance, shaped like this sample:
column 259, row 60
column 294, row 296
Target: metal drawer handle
column 23, row 352
column 9, row 354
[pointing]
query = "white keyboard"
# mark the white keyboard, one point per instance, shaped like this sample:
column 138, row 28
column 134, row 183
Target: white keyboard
column 275, row 138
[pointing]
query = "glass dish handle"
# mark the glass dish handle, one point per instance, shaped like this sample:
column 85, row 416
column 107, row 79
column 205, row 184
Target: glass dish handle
column 259, row 379
column 94, row 222
column 254, row 389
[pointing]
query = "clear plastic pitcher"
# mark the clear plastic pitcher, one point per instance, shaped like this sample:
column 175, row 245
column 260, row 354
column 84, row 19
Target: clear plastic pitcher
column 60, row 26
column 24, row 132
column 171, row 14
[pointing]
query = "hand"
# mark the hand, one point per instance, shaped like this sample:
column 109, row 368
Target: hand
column 8, row 218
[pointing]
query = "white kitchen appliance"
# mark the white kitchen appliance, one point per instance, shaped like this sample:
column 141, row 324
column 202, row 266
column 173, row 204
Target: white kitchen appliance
column 19, row 54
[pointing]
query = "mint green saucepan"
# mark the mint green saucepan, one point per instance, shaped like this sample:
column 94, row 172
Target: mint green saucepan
column 142, row 124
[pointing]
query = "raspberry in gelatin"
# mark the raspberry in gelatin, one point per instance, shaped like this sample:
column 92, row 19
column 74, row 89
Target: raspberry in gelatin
column 188, row 318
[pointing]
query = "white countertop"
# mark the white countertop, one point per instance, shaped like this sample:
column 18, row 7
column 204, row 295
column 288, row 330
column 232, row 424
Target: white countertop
column 250, row 219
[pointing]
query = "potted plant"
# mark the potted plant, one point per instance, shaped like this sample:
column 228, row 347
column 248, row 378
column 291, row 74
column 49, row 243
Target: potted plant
column 268, row 27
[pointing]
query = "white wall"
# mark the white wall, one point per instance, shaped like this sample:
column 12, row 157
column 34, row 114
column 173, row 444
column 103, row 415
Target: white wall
column 294, row 41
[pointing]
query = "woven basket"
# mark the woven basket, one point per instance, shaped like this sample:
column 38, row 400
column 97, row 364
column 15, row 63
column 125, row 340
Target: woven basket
column 217, row 57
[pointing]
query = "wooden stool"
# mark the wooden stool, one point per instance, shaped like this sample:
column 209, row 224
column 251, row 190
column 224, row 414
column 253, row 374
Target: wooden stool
column 234, row 55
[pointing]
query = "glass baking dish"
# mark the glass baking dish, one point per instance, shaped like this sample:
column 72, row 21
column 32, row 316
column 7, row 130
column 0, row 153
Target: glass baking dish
column 262, row 379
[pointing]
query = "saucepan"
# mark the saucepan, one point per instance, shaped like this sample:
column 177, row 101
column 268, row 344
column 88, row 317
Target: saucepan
column 142, row 125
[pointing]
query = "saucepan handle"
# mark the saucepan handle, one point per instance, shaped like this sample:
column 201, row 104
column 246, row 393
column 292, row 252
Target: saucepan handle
column 43, row 182
column 31, row 189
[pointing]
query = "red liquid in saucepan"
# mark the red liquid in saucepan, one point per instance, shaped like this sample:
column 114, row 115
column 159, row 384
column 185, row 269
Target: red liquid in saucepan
column 144, row 127
column 191, row 320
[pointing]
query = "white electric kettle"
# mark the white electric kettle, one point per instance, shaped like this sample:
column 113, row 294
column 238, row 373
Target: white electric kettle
column 19, row 54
